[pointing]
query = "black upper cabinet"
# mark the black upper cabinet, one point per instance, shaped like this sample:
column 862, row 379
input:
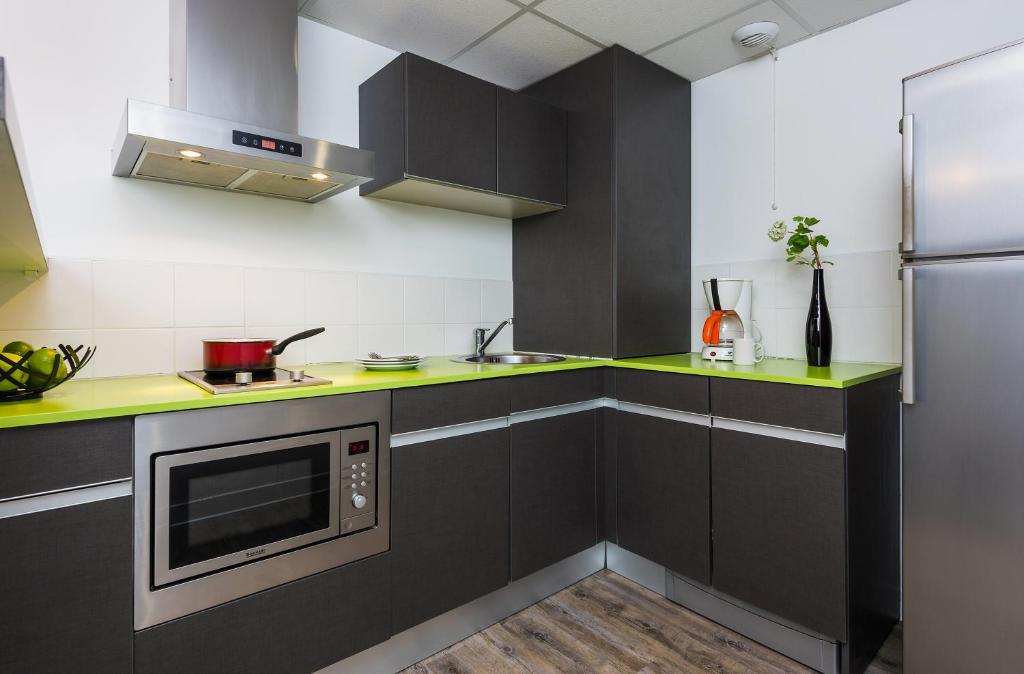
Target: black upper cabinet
column 531, row 148
column 451, row 122
column 619, row 256
column 66, row 589
column 435, row 135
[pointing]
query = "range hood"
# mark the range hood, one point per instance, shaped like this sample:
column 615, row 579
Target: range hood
column 234, row 110
column 20, row 249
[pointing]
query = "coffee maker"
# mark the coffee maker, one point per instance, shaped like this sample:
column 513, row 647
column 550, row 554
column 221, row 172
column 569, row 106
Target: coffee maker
column 729, row 301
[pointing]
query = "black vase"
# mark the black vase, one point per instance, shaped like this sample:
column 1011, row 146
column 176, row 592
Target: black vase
column 818, row 333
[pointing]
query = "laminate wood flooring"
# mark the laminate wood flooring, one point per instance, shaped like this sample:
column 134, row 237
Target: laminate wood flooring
column 606, row 624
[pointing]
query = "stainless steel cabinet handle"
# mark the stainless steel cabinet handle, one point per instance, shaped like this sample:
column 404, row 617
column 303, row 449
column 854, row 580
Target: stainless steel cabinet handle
column 907, row 130
column 908, row 335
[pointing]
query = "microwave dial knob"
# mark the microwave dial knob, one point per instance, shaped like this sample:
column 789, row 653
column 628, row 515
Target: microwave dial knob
column 358, row 501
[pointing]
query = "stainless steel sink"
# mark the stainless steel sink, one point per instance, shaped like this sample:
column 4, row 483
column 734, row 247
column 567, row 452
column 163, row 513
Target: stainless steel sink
column 509, row 358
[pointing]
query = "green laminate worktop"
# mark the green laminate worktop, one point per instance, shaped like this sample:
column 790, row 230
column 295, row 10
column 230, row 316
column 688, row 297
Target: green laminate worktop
column 128, row 396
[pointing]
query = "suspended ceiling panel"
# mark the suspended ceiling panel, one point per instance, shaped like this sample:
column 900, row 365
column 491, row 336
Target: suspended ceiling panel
column 516, row 43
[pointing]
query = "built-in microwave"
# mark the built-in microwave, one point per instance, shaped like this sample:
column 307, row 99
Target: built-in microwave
column 219, row 519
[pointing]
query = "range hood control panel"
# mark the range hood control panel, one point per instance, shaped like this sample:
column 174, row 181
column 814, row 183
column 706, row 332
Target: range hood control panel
column 266, row 143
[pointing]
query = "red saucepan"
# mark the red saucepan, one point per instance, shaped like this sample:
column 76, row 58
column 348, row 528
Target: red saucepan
column 246, row 354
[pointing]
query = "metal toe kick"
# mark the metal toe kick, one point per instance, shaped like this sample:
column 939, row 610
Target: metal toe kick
column 811, row 649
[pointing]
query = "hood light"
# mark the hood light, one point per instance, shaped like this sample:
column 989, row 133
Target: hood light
column 319, row 176
column 190, row 154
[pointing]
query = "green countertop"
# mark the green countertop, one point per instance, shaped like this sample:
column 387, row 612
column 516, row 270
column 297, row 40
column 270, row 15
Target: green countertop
column 129, row 396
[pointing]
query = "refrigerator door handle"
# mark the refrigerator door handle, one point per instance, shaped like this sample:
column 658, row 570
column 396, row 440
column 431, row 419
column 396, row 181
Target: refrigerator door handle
column 907, row 131
column 908, row 335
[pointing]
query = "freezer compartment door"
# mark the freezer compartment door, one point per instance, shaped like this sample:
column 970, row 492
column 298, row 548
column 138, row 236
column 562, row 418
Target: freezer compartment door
column 965, row 163
column 963, row 470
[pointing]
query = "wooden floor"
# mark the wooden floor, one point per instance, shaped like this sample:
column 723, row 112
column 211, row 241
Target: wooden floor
column 608, row 624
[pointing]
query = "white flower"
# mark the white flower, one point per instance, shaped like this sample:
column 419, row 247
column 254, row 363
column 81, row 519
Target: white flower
column 777, row 231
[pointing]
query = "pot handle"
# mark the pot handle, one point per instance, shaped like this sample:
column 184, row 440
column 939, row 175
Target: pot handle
column 305, row 334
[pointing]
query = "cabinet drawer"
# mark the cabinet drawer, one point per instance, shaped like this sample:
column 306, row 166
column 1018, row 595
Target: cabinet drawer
column 684, row 392
column 413, row 409
column 780, row 527
column 36, row 459
column 535, row 391
column 812, row 408
column 295, row 628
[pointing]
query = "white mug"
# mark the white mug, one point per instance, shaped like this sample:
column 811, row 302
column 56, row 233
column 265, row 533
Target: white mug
column 746, row 351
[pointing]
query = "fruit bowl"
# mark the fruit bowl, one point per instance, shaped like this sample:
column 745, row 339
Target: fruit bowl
column 20, row 382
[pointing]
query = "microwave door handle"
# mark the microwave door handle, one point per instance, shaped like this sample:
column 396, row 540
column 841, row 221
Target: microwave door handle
column 909, row 209
column 909, row 396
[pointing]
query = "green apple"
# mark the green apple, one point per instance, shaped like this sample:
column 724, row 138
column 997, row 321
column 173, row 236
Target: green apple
column 40, row 365
column 18, row 348
column 19, row 375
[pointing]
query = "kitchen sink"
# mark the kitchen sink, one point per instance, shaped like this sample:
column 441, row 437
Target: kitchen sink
column 510, row 358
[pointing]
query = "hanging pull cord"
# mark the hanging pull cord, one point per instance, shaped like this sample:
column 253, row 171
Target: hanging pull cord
column 775, row 138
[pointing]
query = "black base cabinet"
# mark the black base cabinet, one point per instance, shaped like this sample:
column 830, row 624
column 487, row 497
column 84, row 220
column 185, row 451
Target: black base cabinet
column 662, row 495
column 449, row 524
column 66, row 589
column 780, row 527
column 554, row 498
column 296, row 628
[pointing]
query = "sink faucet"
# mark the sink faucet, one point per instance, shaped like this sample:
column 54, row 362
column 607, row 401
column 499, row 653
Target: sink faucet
column 479, row 343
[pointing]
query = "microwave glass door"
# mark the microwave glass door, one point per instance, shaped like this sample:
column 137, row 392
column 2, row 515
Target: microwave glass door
column 220, row 507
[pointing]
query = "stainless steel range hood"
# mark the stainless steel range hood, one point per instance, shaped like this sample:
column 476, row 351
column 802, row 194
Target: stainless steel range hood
column 234, row 110
column 20, row 249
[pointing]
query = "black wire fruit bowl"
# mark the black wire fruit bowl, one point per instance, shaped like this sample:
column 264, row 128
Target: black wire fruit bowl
column 19, row 382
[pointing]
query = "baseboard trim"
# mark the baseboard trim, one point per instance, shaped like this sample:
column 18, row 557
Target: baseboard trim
column 409, row 647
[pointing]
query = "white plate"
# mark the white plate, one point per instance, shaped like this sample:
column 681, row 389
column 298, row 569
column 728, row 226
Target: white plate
column 394, row 366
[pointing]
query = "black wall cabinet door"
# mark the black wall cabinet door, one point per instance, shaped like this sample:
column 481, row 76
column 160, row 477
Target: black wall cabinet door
column 451, row 121
column 66, row 589
column 554, row 499
column 780, row 528
column 531, row 148
column 449, row 524
column 663, row 493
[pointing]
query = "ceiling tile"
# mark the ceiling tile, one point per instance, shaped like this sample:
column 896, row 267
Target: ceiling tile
column 524, row 51
column 437, row 29
column 712, row 49
column 822, row 14
column 637, row 24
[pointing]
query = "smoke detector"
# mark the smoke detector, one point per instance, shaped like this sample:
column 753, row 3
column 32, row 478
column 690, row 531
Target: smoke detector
column 756, row 35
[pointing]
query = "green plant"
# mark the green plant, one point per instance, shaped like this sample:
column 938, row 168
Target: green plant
column 800, row 239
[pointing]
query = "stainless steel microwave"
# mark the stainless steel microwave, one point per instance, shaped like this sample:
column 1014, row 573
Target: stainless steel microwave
column 220, row 514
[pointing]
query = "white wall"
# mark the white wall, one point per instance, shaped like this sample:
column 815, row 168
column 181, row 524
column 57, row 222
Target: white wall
column 839, row 102
column 73, row 65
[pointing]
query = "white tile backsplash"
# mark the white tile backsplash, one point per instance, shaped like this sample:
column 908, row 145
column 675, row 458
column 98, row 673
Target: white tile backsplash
column 381, row 299
column 387, row 340
column 133, row 294
column 133, row 351
column 151, row 318
column 424, row 300
column 331, row 298
column 274, row 297
column 495, row 301
column 424, row 340
column 208, row 295
column 863, row 296
column 61, row 299
column 461, row 301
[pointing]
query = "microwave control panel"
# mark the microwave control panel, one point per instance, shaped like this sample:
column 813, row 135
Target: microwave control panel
column 358, row 478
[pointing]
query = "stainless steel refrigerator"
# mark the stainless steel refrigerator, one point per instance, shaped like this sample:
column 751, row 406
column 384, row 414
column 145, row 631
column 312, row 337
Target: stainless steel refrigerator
column 963, row 358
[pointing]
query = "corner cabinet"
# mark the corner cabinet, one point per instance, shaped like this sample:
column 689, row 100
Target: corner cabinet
column 443, row 138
